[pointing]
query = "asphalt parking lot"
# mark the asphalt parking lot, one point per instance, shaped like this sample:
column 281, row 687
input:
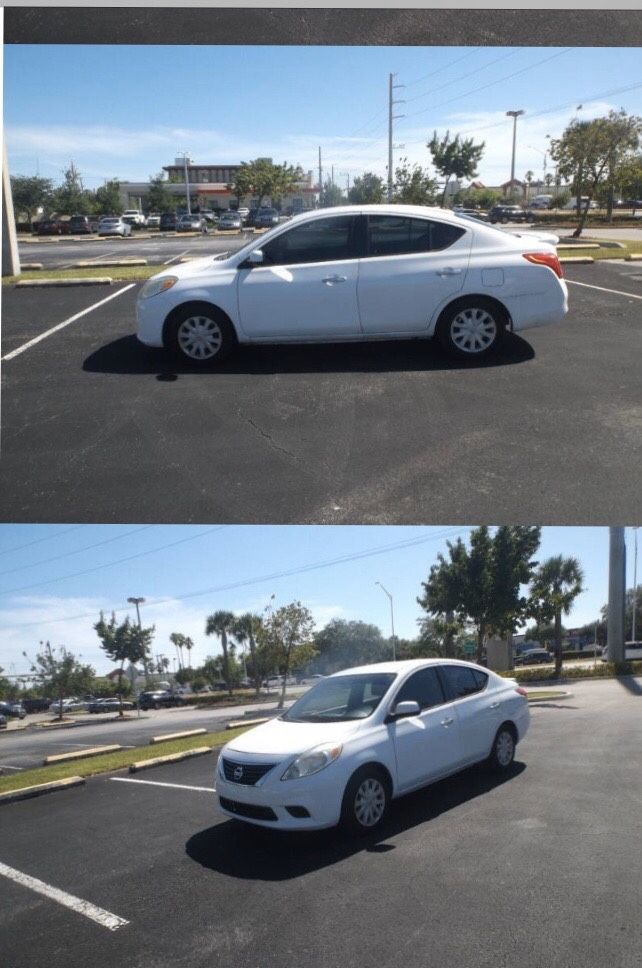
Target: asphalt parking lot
column 99, row 428
column 62, row 253
column 540, row 868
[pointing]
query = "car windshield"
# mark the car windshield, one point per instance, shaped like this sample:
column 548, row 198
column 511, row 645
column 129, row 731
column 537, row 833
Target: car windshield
column 341, row 698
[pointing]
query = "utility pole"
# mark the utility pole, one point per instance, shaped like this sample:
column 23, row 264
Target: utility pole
column 392, row 117
column 10, row 257
column 617, row 586
column 138, row 602
column 392, row 621
column 185, row 160
column 320, row 179
column 514, row 115
column 635, row 583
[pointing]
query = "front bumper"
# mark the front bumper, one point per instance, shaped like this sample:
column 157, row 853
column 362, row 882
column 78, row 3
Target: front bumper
column 318, row 797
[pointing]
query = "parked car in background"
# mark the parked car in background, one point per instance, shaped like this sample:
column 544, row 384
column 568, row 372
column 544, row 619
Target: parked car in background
column 114, row 226
column 82, row 225
column 190, row 223
column 134, row 218
column 212, row 218
column 534, row 657
column 53, row 226
column 71, row 705
column 36, row 705
column 168, row 222
column 358, row 273
column 266, row 218
column 632, row 651
column 541, row 202
column 153, row 220
column 159, row 699
column 507, row 213
column 243, row 212
column 13, row 709
column 361, row 737
column 109, row 705
column 3, row 722
column 230, row 220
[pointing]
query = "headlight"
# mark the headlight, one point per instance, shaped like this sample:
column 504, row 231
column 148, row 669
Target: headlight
column 313, row 761
column 159, row 284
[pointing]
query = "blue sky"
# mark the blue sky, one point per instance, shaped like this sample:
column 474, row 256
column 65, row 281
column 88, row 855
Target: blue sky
column 124, row 111
column 54, row 579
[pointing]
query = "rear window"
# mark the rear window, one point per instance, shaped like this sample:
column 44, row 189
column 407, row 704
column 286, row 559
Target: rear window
column 464, row 681
column 400, row 235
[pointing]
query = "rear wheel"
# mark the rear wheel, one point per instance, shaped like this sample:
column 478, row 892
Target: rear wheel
column 503, row 751
column 365, row 801
column 472, row 327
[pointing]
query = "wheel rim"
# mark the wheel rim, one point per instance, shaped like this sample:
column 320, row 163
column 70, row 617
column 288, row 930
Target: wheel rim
column 473, row 330
column 199, row 337
column 504, row 748
column 370, row 802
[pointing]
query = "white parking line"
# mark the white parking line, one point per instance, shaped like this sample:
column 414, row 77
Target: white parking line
column 5, row 766
column 97, row 914
column 66, row 322
column 168, row 262
column 616, row 292
column 177, row 786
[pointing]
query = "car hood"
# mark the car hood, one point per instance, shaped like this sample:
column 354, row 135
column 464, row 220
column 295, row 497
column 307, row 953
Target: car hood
column 282, row 738
column 195, row 267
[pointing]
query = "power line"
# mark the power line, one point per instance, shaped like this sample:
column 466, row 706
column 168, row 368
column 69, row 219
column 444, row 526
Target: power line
column 440, row 70
column 47, row 537
column 463, row 77
column 68, row 554
column 110, row 564
column 288, row 573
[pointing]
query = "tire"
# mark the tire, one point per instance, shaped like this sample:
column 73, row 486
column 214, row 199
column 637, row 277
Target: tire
column 201, row 334
column 366, row 801
column 472, row 328
column 503, row 751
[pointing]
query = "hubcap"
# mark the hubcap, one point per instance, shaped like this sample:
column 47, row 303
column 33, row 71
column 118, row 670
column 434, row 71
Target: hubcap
column 199, row 337
column 370, row 802
column 473, row 330
column 505, row 746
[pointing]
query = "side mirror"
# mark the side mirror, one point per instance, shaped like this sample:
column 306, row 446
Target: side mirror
column 255, row 258
column 402, row 710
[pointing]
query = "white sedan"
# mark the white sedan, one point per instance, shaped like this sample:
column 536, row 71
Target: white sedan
column 358, row 273
column 363, row 736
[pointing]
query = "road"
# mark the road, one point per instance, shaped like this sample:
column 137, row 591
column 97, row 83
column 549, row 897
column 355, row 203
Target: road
column 541, row 868
column 98, row 428
column 63, row 253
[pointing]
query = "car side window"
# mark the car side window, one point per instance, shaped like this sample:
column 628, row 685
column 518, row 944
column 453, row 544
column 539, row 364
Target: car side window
column 424, row 688
column 463, row 681
column 402, row 235
column 320, row 240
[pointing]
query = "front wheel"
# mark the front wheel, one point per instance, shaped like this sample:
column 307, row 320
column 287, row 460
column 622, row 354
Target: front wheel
column 503, row 751
column 365, row 801
column 202, row 334
column 472, row 328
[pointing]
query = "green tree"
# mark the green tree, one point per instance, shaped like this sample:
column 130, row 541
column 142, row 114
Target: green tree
column 481, row 585
column 262, row 178
column 456, row 157
column 341, row 644
column 477, row 197
column 107, row 198
column 554, row 587
column 159, row 197
column 122, row 643
column 181, row 642
column 31, row 193
column 61, row 673
column 71, row 198
column 367, row 189
column 221, row 623
column 413, row 185
column 246, row 629
column 331, row 195
column 287, row 636
column 592, row 152
column 242, row 185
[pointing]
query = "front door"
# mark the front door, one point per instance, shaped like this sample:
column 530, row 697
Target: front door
column 306, row 288
column 413, row 265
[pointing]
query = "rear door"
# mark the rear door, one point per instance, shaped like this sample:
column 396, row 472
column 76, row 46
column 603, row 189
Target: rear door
column 412, row 265
column 478, row 707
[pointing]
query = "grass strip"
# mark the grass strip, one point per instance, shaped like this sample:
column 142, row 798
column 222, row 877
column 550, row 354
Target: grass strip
column 117, row 273
column 630, row 248
column 113, row 761
column 544, row 694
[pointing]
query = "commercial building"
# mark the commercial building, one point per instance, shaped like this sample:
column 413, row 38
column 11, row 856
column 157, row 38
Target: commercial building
column 208, row 189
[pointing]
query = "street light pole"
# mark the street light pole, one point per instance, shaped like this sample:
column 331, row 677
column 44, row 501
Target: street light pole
column 514, row 115
column 617, row 583
column 185, row 160
column 635, row 583
column 392, row 620
column 138, row 602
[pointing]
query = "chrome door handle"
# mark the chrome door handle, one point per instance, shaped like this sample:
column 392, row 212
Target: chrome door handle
column 447, row 722
column 449, row 272
column 332, row 279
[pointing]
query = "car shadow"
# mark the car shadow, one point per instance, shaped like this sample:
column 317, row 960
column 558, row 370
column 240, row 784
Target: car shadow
column 247, row 852
column 127, row 356
column 630, row 684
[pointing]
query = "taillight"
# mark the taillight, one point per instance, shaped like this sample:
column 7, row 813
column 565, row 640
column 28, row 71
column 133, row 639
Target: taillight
column 545, row 259
column 521, row 691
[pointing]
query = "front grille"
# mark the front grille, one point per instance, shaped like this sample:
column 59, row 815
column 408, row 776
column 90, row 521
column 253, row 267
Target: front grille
column 248, row 810
column 246, row 773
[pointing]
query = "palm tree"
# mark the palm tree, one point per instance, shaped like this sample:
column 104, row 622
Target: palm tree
column 221, row 623
column 189, row 645
column 245, row 630
column 555, row 586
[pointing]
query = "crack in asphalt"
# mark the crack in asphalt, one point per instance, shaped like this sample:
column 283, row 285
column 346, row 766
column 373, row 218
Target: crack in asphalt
column 268, row 437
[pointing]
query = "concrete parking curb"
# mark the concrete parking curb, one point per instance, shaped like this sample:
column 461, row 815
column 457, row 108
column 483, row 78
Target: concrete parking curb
column 633, row 257
column 36, row 791
column 247, row 722
column 80, row 754
column 578, row 259
column 89, row 281
column 30, row 266
column 170, row 758
column 165, row 737
column 88, row 264
column 560, row 695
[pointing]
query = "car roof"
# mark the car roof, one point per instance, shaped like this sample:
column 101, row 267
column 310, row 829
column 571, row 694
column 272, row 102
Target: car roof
column 402, row 665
